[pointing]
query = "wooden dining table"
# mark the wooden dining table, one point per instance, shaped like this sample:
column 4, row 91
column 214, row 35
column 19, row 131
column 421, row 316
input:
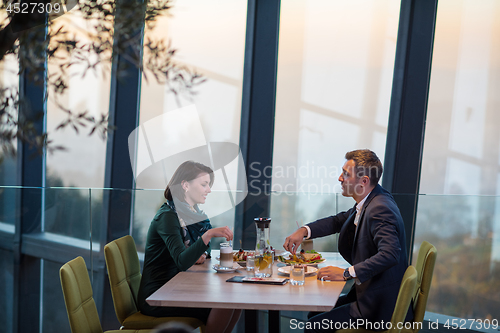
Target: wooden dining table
column 203, row 286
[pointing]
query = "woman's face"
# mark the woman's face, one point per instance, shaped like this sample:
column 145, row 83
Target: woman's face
column 196, row 190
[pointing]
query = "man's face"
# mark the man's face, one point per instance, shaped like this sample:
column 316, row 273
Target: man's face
column 350, row 184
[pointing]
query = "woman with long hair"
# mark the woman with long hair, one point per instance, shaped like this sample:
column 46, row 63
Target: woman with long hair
column 179, row 237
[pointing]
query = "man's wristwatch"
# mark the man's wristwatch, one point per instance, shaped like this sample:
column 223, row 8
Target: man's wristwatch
column 347, row 275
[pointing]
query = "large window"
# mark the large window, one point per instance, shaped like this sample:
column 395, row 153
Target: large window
column 68, row 212
column 82, row 163
column 210, row 39
column 72, row 215
column 461, row 162
column 335, row 68
column 334, row 81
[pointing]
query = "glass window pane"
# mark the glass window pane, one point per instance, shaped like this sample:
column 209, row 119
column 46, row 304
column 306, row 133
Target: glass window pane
column 67, row 213
column 210, row 39
column 82, row 164
column 9, row 201
column 146, row 204
column 461, row 136
column 461, row 160
column 9, row 81
column 464, row 229
column 191, row 28
column 334, row 86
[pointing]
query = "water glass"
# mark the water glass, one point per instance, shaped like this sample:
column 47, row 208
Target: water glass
column 297, row 275
column 250, row 265
column 264, row 265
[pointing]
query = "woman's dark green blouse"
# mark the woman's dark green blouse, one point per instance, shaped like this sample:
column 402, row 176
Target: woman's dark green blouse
column 165, row 255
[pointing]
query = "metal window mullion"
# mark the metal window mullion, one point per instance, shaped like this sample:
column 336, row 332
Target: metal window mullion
column 257, row 119
column 408, row 109
column 258, row 111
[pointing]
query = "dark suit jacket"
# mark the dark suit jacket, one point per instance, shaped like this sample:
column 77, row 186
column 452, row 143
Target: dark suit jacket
column 377, row 251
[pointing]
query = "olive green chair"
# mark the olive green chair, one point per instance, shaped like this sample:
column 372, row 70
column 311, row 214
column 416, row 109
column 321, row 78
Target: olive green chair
column 78, row 296
column 124, row 272
column 406, row 292
column 425, row 268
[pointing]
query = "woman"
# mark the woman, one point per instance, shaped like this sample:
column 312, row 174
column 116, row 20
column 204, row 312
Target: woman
column 178, row 237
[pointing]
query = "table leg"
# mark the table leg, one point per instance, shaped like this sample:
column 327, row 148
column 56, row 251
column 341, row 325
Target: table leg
column 251, row 321
column 274, row 321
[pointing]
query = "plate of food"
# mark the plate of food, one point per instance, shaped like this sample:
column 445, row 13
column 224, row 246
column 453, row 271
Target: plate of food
column 241, row 256
column 309, row 270
column 310, row 258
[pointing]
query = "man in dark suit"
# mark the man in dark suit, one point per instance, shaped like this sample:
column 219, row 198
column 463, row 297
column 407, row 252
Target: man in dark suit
column 371, row 240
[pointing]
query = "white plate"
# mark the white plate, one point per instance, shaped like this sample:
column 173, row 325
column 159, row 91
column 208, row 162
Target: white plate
column 286, row 270
column 226, row 270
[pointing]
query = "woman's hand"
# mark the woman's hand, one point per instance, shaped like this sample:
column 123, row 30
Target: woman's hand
column 217, row 232
column 331, row 273
column 202, row 259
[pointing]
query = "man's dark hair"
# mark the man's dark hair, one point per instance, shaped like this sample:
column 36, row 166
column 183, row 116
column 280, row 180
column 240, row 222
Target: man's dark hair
column 367, row 164
column 187, row 171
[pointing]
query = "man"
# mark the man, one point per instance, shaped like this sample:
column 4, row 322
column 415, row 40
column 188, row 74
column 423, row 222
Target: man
column 371, row 240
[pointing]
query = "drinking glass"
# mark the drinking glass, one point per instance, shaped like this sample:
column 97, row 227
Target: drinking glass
column 226, row 255
column 250, row 265
column 264, row 265
column 297, row 275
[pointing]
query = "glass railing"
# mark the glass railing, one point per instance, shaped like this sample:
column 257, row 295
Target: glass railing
column 464, row 229
column 9, row 197
column 218, row 208
column 466, row 233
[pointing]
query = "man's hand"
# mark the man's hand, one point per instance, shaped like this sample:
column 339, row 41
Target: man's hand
column 293, row 241
column 331, row 273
